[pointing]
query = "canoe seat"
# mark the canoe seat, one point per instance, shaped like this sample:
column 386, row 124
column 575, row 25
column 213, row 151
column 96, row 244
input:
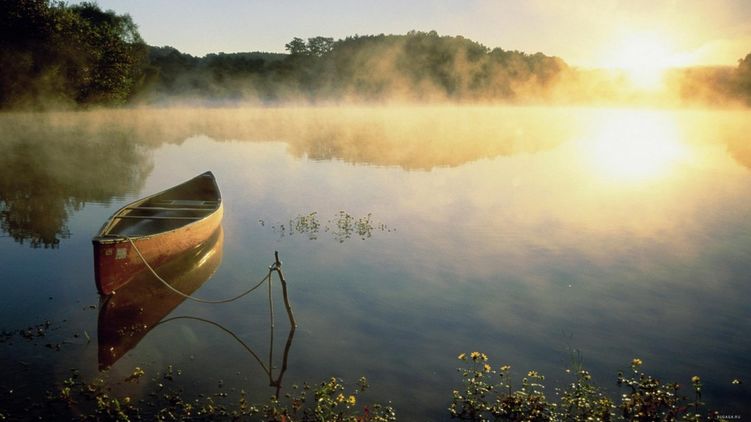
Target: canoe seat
column 171, row 209
column 157, row 217
column 185, row 203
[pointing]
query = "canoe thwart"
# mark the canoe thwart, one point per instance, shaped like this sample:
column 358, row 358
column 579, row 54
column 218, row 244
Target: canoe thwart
column 170, row 209
column 157, row 217
column 186, row 202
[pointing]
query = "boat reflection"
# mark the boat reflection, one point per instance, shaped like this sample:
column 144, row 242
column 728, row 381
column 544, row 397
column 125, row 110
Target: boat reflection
column 142, row 304
column 126, row 317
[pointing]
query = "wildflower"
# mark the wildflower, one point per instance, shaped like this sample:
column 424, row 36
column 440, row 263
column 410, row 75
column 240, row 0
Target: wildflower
column 505, row 368
column 533, row 374
column 351, row 400
column 487, row 367
column 636, row 362
column 462, row 356
column 340, row 398
column 478, row 356
column 695, row 379
column 736, row 381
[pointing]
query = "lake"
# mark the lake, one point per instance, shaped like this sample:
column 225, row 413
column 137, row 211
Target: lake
column 408, row 235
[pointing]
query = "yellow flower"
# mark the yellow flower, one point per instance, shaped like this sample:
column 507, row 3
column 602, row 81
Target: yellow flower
column 533, row 374
column 487, row 367
column 340, row 398
column 462, row 356
column 478, row 356
column 636, row 362
column 695, row 379
column 736, row 381
column 351, row 400
column 505, row 368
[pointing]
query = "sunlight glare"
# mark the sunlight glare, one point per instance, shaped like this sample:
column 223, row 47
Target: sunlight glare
column 635, row 146
column 644, row 56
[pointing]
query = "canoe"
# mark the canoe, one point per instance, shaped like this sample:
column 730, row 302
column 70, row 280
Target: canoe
column 160, row 226
column 126, row 317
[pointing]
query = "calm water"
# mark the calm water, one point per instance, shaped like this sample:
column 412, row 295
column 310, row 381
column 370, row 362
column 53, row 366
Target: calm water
column 526, row 233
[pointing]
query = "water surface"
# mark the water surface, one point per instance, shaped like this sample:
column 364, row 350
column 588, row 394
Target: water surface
column 408, row 236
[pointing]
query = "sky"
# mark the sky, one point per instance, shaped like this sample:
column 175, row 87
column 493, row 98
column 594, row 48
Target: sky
column 592, row 33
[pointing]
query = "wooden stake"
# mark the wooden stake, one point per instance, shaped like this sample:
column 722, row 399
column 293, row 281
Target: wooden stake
column 278, row 269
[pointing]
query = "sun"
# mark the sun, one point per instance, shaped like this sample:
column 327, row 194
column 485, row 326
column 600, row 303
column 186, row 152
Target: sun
column 644, row 57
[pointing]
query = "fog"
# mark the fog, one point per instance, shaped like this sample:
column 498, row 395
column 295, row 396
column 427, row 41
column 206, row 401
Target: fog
column 53, row 163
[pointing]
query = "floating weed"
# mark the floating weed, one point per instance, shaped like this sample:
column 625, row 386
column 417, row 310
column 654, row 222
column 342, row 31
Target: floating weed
column 342, row 227
column 136, row 375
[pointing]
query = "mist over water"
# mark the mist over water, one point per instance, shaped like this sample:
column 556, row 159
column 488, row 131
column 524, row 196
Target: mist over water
column 523, row 232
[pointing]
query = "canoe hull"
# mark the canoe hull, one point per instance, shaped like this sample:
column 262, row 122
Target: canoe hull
column 116, row 260
column 126, row 317
column 115, row 263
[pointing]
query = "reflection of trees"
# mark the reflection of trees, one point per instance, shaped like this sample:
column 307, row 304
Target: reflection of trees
column 49, row 170
column 417, row 138
column 740, row 150
column 413, row 138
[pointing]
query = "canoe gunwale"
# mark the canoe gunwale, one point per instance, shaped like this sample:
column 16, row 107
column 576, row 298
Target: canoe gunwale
column 104, row 236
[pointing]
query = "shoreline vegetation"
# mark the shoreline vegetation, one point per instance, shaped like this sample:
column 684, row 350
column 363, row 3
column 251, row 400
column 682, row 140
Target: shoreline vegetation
column 57, row 56
column 484, row 393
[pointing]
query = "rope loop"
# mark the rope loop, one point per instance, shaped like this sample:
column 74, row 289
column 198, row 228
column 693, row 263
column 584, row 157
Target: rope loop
column 267, row 277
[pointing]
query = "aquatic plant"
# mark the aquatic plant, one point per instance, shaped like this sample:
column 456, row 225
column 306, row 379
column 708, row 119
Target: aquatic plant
column 488, row 394
column 342, row 227
column 327, row 401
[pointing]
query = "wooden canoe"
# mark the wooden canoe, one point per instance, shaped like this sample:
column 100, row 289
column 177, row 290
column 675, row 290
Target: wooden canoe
column 161, row 226
column 126, row 317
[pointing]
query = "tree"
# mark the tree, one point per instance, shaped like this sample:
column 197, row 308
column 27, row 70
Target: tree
column 50, row 51
column 320, row 46
column 296, row 47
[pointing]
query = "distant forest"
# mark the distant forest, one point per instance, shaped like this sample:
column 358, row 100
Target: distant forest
column 54, row 55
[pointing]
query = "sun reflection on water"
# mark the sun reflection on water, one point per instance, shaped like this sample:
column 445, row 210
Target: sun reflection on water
column 634, row 146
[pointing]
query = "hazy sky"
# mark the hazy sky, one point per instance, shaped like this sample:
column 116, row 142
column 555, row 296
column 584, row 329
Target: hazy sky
column 584, row 33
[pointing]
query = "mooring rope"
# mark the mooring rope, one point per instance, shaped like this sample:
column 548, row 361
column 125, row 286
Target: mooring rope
column 197, row 299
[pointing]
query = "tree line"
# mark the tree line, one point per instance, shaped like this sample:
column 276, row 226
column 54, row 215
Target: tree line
column 56, row 55
column 418, row 66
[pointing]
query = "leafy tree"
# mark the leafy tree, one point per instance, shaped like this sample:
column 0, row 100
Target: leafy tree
column 296, row 47
column 52, row 52
column 320, row 46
